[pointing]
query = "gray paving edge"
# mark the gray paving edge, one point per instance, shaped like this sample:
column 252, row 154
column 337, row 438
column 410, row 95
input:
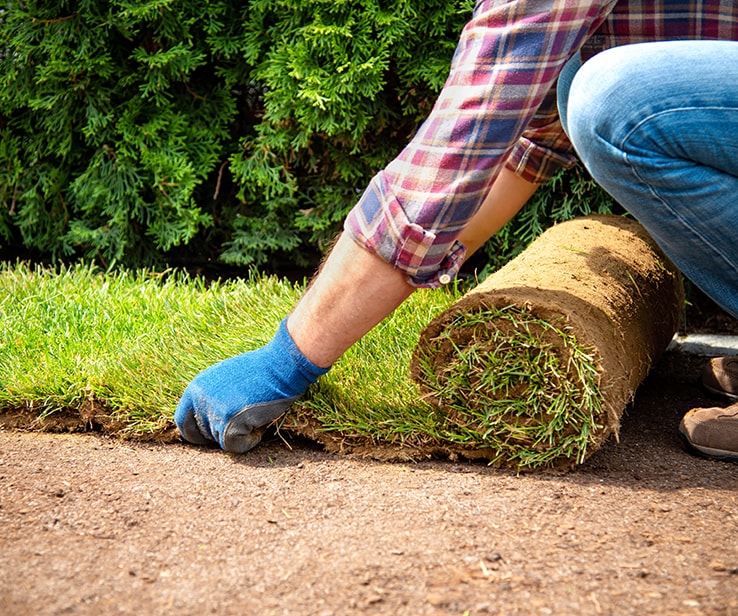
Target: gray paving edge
column 685, row 356
column 704, row 345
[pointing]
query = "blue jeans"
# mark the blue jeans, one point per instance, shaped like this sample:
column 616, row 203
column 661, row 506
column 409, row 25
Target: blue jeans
column 656, row 124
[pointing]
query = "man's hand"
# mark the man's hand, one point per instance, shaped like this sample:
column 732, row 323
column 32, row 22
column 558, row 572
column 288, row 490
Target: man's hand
column 230, row 402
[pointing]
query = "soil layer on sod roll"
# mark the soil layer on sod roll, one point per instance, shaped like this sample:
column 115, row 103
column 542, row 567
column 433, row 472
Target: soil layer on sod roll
column 542, row 358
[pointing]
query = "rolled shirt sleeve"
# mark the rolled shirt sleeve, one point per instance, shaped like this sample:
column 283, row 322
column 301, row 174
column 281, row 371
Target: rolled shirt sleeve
column 543, row 148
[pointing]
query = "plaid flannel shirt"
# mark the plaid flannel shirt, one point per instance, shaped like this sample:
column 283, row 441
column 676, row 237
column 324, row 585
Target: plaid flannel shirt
column 498, row 109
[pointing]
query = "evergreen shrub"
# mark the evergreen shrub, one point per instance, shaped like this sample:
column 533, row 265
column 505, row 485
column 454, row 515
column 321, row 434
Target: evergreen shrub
column 168, row 131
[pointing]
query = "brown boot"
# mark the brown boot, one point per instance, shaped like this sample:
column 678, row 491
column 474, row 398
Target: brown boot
column 720, row 377
column 712, row 432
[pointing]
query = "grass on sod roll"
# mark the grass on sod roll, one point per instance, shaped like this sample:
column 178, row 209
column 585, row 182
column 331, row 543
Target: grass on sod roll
column 132, row 342
column 517, row 384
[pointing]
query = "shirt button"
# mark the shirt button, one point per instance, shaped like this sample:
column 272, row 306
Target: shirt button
column 444, row 279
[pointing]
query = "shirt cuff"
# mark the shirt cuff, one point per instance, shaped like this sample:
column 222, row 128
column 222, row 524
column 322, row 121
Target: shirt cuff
column 379, row 224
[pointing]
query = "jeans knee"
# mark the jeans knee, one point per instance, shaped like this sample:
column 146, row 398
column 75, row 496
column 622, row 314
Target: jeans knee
column 613, row 92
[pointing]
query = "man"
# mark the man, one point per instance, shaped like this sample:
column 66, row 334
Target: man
column 493, row 136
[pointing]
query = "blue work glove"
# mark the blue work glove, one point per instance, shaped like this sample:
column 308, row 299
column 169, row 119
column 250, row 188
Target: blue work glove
column 230, row 402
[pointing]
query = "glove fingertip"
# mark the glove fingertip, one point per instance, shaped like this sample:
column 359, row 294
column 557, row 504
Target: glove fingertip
column 184, row 418
column 190, row 431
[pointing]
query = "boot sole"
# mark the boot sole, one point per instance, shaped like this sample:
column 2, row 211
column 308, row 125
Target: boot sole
column 708, row 452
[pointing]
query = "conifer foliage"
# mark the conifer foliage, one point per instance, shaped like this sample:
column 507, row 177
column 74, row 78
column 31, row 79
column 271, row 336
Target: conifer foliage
column 239, row 129
column 135, row 132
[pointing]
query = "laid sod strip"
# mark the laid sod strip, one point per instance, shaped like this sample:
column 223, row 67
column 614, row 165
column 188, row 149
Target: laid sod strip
column 541, row 359
column 368, row 404
column 115, row 351
column 120, row 348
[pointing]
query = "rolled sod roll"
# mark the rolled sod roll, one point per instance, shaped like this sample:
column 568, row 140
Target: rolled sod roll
column 542, row 358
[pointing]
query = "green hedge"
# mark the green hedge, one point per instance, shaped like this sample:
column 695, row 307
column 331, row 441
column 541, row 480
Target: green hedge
column 165, row 131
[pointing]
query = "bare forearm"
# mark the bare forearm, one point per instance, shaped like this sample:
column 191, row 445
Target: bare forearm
column 354, row 291
column 507, row 196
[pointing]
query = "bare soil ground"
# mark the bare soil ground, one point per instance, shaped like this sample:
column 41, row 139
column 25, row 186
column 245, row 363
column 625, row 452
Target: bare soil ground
column 93, row 525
